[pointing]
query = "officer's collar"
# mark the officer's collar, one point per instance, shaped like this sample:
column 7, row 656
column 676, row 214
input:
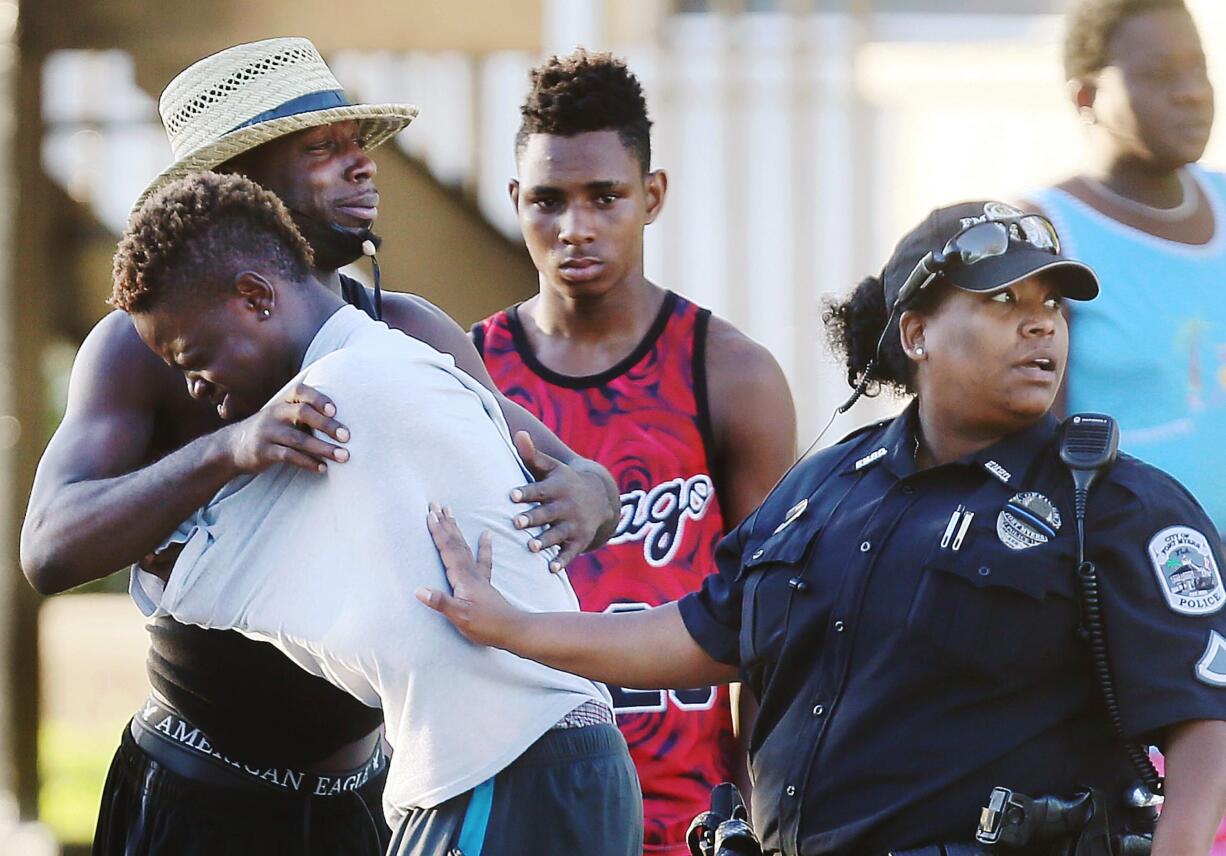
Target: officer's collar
column 1006, row 460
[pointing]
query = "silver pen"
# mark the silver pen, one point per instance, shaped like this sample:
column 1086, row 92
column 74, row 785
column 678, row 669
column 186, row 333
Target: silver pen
column 949, row 528
column 966, row 524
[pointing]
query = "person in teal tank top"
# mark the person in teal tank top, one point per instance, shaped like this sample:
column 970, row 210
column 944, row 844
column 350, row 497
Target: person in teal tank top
column 1152, row 349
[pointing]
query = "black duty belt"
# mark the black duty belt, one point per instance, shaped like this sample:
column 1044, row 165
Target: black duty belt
column 173, row 742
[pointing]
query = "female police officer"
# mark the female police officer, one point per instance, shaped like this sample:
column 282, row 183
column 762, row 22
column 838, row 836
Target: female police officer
column 905, row 604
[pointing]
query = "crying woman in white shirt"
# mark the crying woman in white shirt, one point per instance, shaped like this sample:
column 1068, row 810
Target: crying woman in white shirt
column 318, row 548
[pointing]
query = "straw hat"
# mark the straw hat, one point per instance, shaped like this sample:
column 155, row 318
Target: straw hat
column 244, row 96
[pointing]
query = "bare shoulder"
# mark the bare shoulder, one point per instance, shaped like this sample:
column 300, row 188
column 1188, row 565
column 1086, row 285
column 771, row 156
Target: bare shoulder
column 115, row 393
column 421, row 319
column 115, row 334
column 753, row 418
column 114, row 364
column 1071, row 185
column 745, row 384
column 425, row 322
column 734, row 360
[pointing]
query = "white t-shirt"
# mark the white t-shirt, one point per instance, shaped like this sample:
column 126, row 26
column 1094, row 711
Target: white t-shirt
column 325, row 566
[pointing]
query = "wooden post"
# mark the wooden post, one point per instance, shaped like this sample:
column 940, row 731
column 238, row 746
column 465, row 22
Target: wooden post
column 26, row 289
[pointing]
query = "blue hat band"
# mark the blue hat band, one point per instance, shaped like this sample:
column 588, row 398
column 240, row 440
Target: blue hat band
column 308, row 103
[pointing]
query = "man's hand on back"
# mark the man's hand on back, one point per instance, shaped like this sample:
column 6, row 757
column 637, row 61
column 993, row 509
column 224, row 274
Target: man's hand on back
column 281, row 432
column 577, row 506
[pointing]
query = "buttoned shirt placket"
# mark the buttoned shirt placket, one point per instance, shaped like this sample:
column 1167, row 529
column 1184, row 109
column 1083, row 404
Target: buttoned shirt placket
column 895, row 466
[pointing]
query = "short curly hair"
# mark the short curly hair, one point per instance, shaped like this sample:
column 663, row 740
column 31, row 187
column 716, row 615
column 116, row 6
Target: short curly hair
column 196, row 234
column 585, row 92
column 1092, row 23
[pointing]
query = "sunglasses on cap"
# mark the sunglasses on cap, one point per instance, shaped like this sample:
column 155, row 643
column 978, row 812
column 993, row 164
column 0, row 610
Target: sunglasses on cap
column 977, row 242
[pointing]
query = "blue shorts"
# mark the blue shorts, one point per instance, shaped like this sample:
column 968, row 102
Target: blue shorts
column 572, row 792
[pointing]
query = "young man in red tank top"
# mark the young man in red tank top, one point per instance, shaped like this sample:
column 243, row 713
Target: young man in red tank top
column 648, row 384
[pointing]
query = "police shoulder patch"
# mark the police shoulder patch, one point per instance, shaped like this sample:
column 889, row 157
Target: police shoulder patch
column 1187, row 572
column 1211, row 668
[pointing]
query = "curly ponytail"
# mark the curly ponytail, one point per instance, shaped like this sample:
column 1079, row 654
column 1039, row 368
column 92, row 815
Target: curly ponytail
column 854, row 325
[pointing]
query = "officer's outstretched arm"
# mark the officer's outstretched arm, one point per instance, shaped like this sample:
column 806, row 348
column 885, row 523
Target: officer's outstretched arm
column 1195, row 788
column 645, row 650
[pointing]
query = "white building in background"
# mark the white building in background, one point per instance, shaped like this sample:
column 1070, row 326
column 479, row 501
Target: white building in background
column 802, row 137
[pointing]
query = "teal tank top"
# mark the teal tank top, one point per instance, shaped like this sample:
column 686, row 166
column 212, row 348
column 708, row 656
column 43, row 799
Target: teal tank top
column 1151, row 349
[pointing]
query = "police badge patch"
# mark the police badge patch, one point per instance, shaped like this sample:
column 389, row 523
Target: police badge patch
column 1186, row 571
column 1027, row 520
column 1211, row 668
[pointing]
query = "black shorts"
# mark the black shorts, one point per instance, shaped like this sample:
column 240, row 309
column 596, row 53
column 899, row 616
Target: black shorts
column 149, row 811
column 572, row 793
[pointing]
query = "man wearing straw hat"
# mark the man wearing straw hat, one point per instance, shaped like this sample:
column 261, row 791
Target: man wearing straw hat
column 237, row 750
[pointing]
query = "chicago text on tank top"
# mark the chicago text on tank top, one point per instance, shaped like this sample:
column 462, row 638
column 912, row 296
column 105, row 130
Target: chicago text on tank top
column 646, row 420
column 247, row 696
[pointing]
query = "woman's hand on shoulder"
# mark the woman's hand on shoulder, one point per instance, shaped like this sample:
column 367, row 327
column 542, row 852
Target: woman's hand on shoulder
column 474, row 606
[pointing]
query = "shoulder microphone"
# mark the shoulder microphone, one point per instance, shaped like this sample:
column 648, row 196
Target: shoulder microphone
column 1089, row 446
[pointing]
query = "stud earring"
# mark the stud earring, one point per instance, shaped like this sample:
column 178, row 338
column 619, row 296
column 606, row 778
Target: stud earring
column 267, row 313
column 919, row 352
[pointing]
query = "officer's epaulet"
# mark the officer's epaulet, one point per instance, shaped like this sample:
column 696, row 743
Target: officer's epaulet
column 865, row 429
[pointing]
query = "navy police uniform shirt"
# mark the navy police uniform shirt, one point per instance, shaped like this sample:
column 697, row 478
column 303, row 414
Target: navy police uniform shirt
column 912, row 636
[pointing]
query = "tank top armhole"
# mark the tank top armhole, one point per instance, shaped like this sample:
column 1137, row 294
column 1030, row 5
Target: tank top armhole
column 702, row 404
column 356, row 294
column 477, row 333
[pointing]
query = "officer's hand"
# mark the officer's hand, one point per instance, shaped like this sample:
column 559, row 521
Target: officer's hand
column 580, row 507
column 281, row 433
column 474, row 606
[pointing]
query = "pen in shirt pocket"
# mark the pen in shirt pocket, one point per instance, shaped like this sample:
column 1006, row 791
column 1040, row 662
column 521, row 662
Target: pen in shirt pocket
column 967, row 517
column 952, row 525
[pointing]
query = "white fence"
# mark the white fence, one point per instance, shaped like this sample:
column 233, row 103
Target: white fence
column 799, row 147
